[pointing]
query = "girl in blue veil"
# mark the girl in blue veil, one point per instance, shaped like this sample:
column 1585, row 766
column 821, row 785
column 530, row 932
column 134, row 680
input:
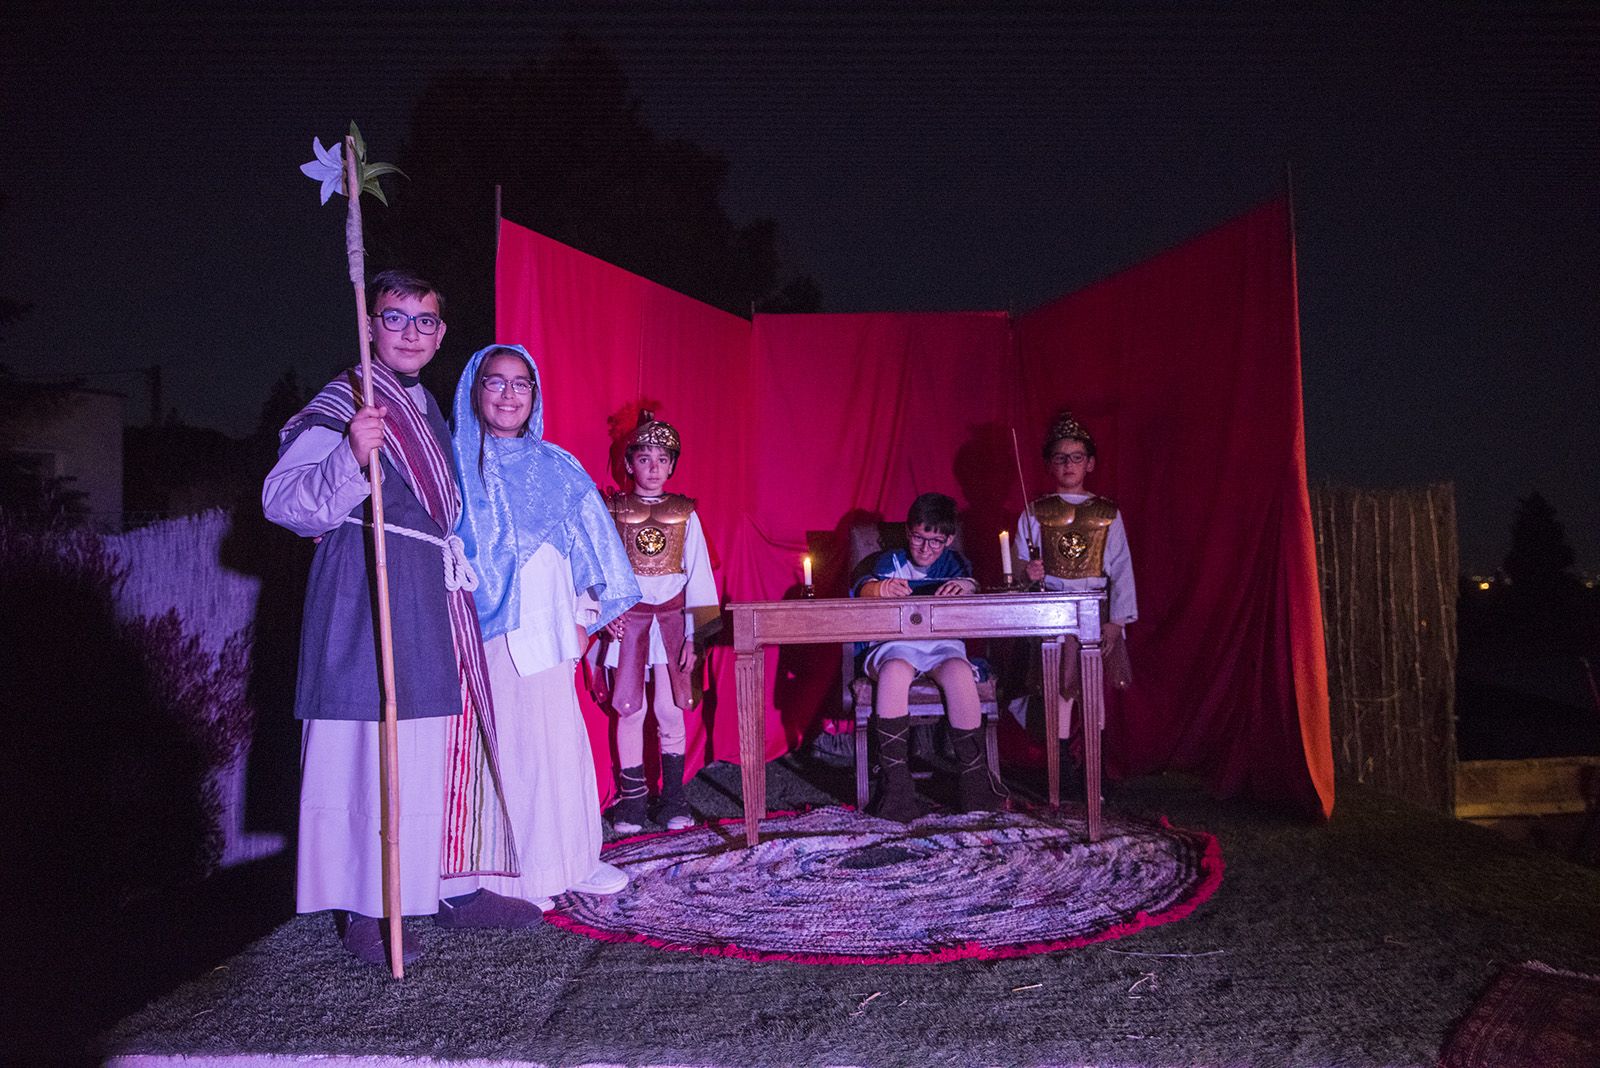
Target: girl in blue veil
column 551, row 571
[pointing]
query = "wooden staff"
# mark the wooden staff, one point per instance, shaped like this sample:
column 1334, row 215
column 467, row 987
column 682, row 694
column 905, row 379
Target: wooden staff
column 389, row 736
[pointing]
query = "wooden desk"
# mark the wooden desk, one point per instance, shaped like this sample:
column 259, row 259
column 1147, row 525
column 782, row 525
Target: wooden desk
column 1051, row 616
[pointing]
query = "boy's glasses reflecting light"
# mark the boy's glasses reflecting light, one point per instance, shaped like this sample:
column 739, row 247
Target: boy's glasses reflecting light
column 396, row 321
column 496, row 384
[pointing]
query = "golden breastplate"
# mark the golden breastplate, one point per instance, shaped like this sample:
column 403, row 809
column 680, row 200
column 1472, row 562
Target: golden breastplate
column 653, row 533
column 1073, row 536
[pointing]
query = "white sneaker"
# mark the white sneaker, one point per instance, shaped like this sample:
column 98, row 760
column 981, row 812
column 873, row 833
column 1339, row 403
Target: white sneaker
column 605, row 879
column 678, row 823
column 545, row 904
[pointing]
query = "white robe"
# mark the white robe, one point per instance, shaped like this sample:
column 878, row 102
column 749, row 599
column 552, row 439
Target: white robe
column 341, row 844
column 546, row 765
column 311, row 488
column 923, row 654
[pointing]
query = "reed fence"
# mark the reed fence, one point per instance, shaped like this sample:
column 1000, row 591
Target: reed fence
column 1388, row 561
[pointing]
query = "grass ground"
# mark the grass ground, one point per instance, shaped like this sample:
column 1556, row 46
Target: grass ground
column 1356, row 942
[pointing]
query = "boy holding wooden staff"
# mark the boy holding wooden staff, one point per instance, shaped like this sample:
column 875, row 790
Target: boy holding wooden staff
column 450, row 818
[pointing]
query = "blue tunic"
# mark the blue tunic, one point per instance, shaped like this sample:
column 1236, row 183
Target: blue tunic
column 340, row 672
column 923, row 654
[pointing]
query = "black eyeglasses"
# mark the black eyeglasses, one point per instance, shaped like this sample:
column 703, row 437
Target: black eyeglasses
column 1063, row 459
column 497, row 384
column 396, row 320
column 928, row 541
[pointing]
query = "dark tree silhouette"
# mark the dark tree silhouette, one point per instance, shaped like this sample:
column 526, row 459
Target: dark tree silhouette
column 576, row 161
column 1541, row 558
column 261, row 448
column 28, row 495
column 1545, row 611
column 286, row 398
column 10, row 309
column 161, row 478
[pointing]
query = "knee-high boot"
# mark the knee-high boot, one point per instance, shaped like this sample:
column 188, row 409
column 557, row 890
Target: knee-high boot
column 674, row 804
column 628, row 814
column 896, row 797
column 975, row 792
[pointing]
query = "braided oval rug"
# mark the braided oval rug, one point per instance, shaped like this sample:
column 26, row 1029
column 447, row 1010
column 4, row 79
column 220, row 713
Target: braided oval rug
column 832, row 886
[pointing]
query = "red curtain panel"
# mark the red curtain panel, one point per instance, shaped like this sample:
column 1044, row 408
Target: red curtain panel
column 604, row 338
column 1185, row 368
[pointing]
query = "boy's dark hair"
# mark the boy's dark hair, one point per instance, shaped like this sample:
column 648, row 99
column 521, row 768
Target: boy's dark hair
column 404, row 283
column 933, row 511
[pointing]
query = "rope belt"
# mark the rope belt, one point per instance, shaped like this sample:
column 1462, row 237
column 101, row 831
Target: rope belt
column 458, row 573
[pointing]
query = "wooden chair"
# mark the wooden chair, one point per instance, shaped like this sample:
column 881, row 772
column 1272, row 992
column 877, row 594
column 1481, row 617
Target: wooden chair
column 927, row 701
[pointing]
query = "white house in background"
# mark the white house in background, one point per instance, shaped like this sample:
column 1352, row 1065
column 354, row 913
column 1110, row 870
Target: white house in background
column 80, row 437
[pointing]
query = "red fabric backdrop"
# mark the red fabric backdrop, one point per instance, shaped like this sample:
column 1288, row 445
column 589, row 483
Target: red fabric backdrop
column 603, row 338
column 1185, row 368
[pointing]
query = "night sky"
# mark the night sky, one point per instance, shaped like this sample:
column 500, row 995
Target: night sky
column 921, row 157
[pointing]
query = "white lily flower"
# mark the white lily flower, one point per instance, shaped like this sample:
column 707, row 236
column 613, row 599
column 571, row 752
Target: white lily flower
column 327, row 168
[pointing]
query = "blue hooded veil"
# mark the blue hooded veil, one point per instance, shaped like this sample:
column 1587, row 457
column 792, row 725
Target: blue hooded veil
column 519, row 493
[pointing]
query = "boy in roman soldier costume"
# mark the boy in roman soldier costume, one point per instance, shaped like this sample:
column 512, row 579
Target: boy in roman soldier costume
column 1073, row 540
column 667, row 549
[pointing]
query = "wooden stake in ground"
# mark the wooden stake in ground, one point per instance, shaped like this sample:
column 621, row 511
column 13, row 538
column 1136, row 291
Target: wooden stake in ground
column 358, row 177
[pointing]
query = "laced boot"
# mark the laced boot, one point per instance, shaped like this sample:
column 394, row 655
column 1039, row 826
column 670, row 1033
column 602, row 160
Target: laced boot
column 628, row 814
column 674, row 810
column 975, row 789
column 896, row 798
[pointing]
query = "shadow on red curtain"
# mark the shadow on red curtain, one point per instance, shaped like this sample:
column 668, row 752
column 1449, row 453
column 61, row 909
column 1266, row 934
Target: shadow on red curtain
column 1185, row 368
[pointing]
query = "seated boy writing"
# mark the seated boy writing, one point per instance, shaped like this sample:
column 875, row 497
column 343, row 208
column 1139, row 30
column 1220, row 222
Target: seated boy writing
column 928, row 565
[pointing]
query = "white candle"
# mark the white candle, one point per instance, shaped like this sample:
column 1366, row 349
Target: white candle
column 1005, row 552
column 805, row 566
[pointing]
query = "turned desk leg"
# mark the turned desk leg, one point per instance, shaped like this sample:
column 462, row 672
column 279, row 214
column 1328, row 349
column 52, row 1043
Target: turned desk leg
column 1092, row 672
column 1050, row 654
column 748, row 671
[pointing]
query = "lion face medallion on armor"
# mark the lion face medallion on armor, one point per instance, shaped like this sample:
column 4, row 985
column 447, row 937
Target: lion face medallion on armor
column 653, row 532
column 1073, row 547
column 650, row 541
column 1074, row 535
